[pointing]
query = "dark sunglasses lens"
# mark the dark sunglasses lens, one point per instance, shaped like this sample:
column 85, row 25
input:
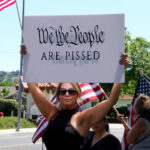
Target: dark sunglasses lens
column 63, row 92
column 71, row 91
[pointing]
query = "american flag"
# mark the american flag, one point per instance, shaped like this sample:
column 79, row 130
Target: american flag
column 6, row 3
column 89, row 92
column 143, row 87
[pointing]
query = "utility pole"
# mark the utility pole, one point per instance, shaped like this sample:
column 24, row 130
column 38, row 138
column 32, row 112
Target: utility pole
column 20, row 74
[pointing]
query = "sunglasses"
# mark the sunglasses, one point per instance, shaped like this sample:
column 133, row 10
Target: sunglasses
column 71, row 91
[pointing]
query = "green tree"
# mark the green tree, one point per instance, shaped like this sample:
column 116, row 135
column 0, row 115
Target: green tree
column 138, row 50
column 5, row 91
column 139, row 54
column 7, row 83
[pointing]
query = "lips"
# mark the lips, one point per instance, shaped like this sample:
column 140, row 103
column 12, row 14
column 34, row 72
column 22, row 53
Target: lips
column 67, row 100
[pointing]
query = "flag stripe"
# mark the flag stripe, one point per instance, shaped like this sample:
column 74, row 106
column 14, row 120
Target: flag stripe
column 41, row 122
column 40, row 131
column 90, row 95
column 6, row 3
column 90, row 89
column 96, row 92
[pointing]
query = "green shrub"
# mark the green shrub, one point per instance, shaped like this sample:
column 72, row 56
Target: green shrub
column 111, row 115
column 5, row 91
column 11, row 123
column 8, row 105
column 7, row 83
column 122, row 110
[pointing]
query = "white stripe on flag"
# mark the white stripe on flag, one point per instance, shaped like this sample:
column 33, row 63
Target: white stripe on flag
column 41, row 121
column 40, row 130
column 88, row 95
column 87, row 87
column 5, row 3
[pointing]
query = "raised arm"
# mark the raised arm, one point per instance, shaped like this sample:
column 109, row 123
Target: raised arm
column 45, row 107
column 85, row 119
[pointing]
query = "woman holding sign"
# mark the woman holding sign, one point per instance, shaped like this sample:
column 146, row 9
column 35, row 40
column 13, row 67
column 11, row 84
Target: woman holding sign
column 67, row 127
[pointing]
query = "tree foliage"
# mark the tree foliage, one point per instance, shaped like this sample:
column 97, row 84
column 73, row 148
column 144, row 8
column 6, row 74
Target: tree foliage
column 138, row 50
column 5, row 91
column 7, row 83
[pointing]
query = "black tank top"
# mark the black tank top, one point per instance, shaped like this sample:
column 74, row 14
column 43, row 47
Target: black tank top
column 60, row 134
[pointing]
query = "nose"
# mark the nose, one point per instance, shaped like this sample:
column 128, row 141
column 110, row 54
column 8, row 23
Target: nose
column 67, row 93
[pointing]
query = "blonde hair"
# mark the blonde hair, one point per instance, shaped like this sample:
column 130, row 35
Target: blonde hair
column 142, row 106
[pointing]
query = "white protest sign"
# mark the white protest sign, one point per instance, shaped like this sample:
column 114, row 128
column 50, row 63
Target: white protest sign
column 82, row 48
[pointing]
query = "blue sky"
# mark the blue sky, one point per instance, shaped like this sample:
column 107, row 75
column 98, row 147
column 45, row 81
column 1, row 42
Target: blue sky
column 136, row 20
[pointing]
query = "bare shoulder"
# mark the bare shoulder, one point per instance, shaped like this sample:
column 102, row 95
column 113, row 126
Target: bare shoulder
column 78, row 122
column 140, row 124
column 75, row 117
column 75, row 120
column 53, row 114
column 79, row 117
column 141, row 121
column 138, row 128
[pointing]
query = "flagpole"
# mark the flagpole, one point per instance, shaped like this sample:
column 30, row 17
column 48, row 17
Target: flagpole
column 117, row 112
column 22, row 34
column 21, row 60
column 142, row 74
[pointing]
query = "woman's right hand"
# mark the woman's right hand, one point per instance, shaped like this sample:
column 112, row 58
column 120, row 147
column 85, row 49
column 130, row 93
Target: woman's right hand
column 120, row 117
column 23, row 50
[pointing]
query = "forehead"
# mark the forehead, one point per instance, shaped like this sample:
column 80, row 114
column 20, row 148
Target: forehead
column 66, row 85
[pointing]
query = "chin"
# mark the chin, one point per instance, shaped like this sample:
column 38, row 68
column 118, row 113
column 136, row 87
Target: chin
column 68, row 105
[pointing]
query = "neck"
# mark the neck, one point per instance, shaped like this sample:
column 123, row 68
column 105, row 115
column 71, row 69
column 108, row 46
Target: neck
column 68, row 108
column 98, row 136
column 101, row 134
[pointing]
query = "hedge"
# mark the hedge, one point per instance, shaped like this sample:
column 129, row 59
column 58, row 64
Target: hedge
column 8, row 105
column 122, row 110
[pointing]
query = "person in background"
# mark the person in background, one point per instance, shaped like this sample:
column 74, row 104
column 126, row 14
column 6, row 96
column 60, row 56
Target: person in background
column 67, row 126
column 138, row 136
column 100, row 138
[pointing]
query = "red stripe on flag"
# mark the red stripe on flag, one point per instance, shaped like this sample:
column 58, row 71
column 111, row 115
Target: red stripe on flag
column 89, row 99
column 83, row 84
column 4, row 4
column 37, row 135
column 101, row 95
column 53, row 98
column 42, row 122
